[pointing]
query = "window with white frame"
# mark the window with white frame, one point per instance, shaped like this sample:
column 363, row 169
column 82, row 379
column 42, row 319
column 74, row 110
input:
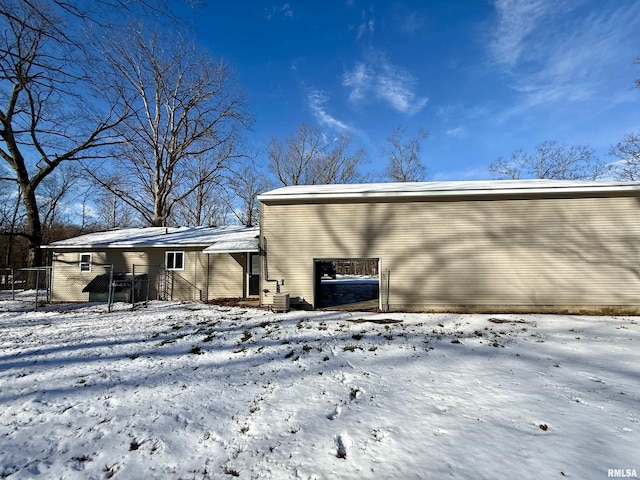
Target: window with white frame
column 85, row 262
column 174, row 261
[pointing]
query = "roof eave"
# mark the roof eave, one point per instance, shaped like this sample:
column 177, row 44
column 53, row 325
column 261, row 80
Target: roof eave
column 229, row 250
column 266, row 198
column 53, row 246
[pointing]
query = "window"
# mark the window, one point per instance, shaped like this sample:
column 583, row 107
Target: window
column 175, row 261
column 85, row 262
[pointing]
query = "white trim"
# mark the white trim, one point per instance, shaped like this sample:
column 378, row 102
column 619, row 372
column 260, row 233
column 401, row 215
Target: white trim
column 88, row 264
column 124, row 245
column 249, row 255
column 445, row 189
column 247, row 276
column 174, row 252
column 380, row 284
column 229, row 250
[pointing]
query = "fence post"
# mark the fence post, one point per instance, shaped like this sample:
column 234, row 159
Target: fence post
column 13, row 285
column 110, row 291
column 37, row 288
column 48, row 279
column 388, row 288
column 146, row 302
column 133, row 287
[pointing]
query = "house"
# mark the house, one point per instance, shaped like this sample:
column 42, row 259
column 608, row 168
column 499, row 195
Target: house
column 185, row 263
column 477, row 246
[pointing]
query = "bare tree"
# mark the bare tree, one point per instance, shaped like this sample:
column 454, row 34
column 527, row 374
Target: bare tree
column 45, row 119
column 246, row 185
column 552, row 161
column 310, row 158
column 207, row 205
column 403, row 153
column 204, row 205
column 110, row 210
column 628, row 151
column 10, row 218
column 187, row 108
column 55, row 195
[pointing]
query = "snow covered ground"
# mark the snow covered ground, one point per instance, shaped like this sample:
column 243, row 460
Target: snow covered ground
column 192, row 391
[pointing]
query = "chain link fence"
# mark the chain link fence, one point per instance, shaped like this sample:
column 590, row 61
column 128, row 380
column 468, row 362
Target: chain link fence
column 106, row 284
column 25, row 286
column 97, row 283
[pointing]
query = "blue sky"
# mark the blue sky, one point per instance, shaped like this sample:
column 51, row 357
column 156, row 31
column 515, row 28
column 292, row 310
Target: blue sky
column 484, row 77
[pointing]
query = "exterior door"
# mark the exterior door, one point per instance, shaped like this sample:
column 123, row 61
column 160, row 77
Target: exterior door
column 254, row 274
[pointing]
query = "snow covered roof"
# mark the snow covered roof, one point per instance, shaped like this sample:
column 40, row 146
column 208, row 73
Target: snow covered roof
column 246, row 240
column 432, row 189
column 167, row 237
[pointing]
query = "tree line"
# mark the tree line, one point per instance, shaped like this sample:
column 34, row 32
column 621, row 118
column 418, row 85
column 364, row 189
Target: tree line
column 108, row 122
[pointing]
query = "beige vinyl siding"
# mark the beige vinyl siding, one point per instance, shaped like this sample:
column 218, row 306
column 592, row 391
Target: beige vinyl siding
column 190, row 283
column 527, row 253
column 67, row 281
column 187, row 284
column 227, row 275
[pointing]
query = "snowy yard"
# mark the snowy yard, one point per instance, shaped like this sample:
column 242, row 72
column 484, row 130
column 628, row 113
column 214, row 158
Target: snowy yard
column 192, row 391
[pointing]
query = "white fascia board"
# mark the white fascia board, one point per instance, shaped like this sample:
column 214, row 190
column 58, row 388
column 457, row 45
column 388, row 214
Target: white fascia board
column 230, row 250
column 426, row 193
column 123, row 245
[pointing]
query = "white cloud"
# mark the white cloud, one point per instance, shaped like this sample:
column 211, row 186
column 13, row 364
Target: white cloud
column 380, row 79
column 458, row 132
column 359, row 80
column 517, row 19
column 366, row 27
column 284, row 10
column 562, row 51
column 317, row 104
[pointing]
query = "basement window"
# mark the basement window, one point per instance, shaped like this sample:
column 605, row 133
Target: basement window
column 85, row 262
column 174, row 261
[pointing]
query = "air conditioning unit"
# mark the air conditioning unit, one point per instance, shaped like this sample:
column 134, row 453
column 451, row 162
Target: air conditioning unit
column 281, row 302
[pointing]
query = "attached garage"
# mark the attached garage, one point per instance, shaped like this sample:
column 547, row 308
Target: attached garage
column 511, row 246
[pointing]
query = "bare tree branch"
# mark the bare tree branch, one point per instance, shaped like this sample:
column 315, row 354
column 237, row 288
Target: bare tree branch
column 45, row 88
column 187, row 115
column 310, row 158
column 628, row 151
column 552, row 161
column 246, row 184
column 403, row 153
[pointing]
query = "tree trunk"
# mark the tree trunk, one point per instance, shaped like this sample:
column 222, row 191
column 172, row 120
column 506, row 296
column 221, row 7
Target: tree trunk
column 14, row 218
column 34, row 227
